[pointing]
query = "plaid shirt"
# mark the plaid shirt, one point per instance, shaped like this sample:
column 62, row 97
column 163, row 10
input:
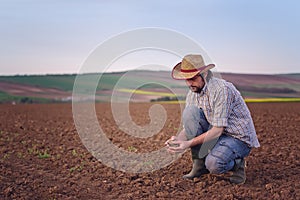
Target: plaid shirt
column 224, row 106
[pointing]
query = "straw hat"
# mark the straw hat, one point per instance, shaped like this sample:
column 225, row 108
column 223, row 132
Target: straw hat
column 190, row 66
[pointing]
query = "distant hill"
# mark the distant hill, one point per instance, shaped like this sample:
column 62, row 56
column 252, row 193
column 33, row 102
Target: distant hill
column 151, row 85
column 258, row 86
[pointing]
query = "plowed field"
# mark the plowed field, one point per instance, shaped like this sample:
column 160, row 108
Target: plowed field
column 42, row 157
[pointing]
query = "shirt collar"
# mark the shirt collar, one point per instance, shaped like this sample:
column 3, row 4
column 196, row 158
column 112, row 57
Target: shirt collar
column 204, row 90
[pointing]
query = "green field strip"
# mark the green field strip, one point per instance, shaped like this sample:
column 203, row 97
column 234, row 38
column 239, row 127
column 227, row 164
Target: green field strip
column 61, row 82
column 261, row 100
column 7, row 98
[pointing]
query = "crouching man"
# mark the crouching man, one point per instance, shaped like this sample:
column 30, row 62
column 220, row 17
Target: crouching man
column 217, row 123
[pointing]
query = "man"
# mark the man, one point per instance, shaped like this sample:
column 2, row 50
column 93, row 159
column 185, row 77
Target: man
column 217, row 124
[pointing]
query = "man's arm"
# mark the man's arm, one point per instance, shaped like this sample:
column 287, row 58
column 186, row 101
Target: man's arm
column 181, row 135
column 211, row 134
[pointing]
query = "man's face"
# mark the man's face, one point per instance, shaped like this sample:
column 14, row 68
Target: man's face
column 196, row 83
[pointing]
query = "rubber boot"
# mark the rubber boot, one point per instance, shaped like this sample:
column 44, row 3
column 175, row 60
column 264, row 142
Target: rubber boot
column 198, row 169
column 239, row 175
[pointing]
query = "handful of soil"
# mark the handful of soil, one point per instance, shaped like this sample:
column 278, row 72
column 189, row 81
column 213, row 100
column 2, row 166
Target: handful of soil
column 171, row 144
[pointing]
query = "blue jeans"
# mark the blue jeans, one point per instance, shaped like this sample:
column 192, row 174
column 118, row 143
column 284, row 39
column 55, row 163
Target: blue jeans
column 219, row 153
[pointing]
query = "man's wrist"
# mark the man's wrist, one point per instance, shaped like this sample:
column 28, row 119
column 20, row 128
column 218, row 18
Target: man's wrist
column 191, row 142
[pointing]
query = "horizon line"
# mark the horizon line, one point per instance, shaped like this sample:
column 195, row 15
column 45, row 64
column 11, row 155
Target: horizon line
column 147, row 70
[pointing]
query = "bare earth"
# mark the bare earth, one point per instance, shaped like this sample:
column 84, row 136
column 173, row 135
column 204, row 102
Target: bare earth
column 42, row 157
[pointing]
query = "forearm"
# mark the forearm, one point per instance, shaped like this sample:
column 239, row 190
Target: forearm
column 182, row 135
column 180, row 143
column 211, row 134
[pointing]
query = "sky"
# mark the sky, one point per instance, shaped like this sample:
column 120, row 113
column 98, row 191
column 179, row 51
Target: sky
column 57, row 36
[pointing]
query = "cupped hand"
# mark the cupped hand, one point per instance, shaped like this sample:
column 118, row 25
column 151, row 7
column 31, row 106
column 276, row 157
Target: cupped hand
column 177, row 146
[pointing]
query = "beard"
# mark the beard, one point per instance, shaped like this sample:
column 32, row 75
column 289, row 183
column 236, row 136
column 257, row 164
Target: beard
column 196, row 89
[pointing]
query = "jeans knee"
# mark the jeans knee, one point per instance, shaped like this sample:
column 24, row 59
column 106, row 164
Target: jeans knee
column 190, row 113
column 214, row 165
column 193, row 116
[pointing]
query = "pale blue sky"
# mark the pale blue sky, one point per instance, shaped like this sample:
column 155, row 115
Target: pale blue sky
column 241, row 36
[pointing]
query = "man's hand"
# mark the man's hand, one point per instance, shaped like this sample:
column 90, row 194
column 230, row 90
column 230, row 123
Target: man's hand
column 175, row 145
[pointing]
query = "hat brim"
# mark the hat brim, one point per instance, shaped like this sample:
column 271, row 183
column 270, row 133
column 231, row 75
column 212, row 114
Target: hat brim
column 179, row 75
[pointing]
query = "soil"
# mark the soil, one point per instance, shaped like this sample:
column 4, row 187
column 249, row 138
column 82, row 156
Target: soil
column 42, row 157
